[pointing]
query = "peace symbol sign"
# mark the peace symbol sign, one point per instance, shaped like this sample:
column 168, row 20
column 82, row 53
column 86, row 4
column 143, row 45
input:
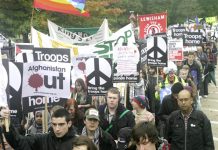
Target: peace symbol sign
column 98, row 71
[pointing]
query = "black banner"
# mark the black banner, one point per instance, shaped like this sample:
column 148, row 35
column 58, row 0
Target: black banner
column 157, row 51
column 52, row 54
column 192, row 39
column 16, row 77
column 99, row 75
column 178, row 32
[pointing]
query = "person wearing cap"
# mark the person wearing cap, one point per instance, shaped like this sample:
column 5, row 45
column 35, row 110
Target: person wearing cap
column 139, row 104
column 102, row 139
column 113, row 115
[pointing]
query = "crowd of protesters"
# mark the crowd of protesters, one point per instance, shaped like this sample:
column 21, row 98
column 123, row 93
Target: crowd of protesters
column 153, row 121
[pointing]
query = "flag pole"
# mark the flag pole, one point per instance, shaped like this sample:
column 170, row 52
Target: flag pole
column 31, row 21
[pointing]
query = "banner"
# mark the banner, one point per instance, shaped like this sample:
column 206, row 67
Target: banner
column 99, row 75
column 4, row 83
column 83, row 32
column 66, row 36
column 52, row 55
column 126, row 59
column 192, row 39
column 102, row 49
column 24, row 52
column 79, row 68
column 36, row 103
column 157, row 51
column 44, row 41
column 209, row 20
column 15, row 86
column 101, row 35
column 175, row 50
column 177, row 32
column 151, row 24
column 59, row 33
column 68, row 7
column 123, row 36
column 46, row 79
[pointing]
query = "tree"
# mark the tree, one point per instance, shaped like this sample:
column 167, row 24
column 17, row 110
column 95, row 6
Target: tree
column 16, row 16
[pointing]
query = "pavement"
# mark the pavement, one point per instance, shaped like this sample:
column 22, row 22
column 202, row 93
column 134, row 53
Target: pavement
column 209, row 106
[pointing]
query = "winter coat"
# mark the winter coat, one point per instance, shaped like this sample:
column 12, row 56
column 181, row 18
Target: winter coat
column 169, row 105
column 197, row 136
column 46, row 141
column 106, row 141
column 118, row 123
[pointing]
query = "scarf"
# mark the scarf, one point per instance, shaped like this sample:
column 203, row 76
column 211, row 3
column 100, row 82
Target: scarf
column 95, row 140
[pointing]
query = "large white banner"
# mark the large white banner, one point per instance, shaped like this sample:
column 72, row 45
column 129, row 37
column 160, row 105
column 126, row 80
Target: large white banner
column 66, row 36
column 46, row 79
column 102, row 49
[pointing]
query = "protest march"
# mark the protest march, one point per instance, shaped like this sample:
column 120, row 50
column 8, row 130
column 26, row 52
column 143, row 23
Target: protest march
column 136, row 87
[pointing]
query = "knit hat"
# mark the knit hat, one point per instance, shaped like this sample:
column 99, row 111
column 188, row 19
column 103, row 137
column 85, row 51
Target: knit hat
column 177, row 87
column 141, row 100
column 92, row 114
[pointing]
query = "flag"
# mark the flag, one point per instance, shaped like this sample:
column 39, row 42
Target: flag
column 196, row 20
column 75, row 7
column 150, row 24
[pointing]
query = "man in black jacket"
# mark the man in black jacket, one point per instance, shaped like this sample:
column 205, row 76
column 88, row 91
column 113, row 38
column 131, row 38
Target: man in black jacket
column 187, row 128
column 113, row 115
column 102, row 139
column 168, row 105
column 60, row 137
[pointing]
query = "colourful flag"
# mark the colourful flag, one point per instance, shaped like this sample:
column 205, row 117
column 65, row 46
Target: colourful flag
column 75, row 7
